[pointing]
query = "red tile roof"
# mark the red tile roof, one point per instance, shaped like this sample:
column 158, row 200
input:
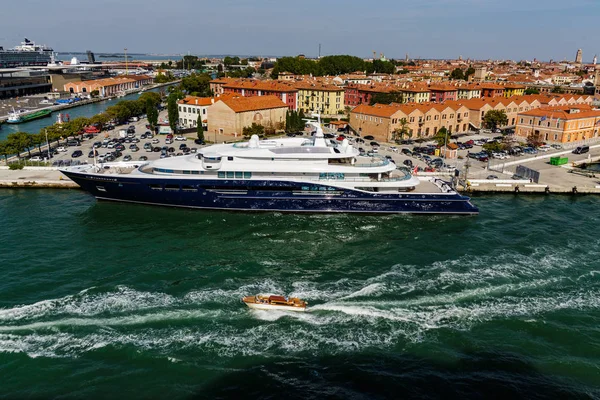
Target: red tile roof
column 197, row 101
column 254, row 103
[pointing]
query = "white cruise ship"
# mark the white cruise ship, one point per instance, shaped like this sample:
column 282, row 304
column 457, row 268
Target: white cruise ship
column 27, row 54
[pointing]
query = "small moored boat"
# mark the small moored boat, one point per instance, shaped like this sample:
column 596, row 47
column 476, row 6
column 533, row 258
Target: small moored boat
column 261, row 302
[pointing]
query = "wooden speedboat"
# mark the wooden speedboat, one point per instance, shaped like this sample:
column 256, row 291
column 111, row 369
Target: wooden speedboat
column 261, row 302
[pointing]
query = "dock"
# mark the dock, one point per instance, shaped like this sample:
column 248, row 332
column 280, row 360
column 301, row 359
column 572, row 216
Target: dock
column 61, row 107
column 35, row 177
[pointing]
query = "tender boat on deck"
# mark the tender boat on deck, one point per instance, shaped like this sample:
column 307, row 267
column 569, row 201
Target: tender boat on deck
column 261, row 302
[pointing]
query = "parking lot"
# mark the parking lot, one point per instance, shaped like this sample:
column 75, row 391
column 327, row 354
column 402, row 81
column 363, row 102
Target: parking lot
column 471, row 150
column 129, row 142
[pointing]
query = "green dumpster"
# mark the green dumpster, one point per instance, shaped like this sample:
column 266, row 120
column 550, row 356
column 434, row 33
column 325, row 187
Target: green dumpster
column 558, row 160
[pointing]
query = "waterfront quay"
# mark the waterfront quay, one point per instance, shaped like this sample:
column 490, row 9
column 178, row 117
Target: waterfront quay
column 33, row 103
column 47, row 175
column 494, row 176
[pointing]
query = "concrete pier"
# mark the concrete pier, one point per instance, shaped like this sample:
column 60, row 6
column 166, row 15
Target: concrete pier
column 35, row 177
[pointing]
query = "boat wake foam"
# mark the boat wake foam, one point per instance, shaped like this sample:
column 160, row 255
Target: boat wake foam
column 403, row 305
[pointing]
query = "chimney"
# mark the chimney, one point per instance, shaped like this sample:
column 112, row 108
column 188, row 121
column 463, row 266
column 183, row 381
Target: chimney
column 212, row 100
column 196, row 101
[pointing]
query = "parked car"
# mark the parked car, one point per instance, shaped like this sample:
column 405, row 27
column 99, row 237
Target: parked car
column 127, row 157
column 63, row 149
column 91, row 154
column 77, row 153
column 73, row 142
column 199, row 141
column 179, row 138
column 143, row 158
column 544, row 148
column 131, row 129
column 556, row 146
column 369, row 137
column 408, row 163
column 406, row 151
column 491, row 177
column 168, row 141
column 155, row 141
column 581, row 149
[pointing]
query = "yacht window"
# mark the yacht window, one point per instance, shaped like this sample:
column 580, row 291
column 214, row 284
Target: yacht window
column 172, row 188
column 230, row 174
column 187, row 188
column 221, row 174
column 229, row 158
column 239, row 175
column 187, row 172
column 196, row 172
column 247, row 175
column 155, row 187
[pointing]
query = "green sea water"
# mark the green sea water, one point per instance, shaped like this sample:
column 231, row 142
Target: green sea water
column 108, row 300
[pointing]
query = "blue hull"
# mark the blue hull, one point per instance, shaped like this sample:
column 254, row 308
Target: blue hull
column 252, row 195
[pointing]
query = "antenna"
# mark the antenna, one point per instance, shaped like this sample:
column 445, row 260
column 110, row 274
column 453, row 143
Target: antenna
column 126, row 65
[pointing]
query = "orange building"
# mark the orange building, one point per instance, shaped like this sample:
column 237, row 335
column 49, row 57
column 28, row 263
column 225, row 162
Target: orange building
column 559, row 125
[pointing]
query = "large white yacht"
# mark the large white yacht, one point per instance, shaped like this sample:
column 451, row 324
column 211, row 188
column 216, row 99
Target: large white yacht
column 290, row 174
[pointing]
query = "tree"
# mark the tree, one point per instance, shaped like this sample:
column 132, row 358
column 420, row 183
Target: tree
column 197, row 85
column 470, row 71
column 557, row 89
column 294, row 121
column 457, row 73
column 173, row 110
column 200, row 128
column 534, row 139
column 532, row 91
column 254, row 129
column 153, row 97
column 152, row 113
column 387, row 98
column 495, row 118
column 402, row 130
column 493, row 147
column 441, row 136
column 164, row 77
column 18, row 142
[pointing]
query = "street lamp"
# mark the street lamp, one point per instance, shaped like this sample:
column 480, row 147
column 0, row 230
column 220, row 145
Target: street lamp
column 47, row 143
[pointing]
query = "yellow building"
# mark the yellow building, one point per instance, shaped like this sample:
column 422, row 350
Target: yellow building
column 559, row 125
column 415, row 94
column 512, row 89
column 320, row 97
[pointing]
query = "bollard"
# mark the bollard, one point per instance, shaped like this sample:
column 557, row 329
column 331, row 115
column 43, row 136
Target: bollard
column 547, row 189
column 516, row 189
column 574, row 189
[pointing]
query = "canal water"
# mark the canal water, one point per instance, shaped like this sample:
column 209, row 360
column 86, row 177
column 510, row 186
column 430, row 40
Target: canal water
column 108, row 300
column 88, row 110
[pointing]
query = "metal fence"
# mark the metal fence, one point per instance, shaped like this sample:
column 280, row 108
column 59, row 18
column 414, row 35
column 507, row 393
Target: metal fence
column 528, row 173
